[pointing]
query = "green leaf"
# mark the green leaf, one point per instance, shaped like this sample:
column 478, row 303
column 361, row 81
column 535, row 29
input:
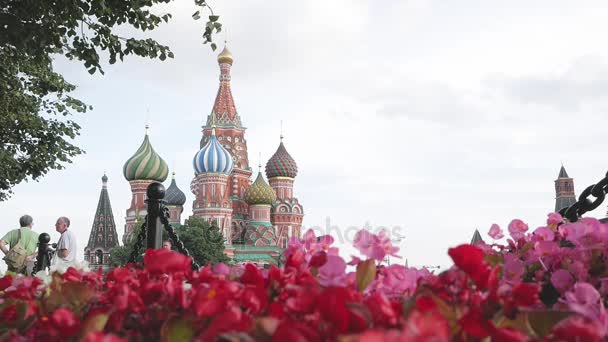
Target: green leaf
column 214, row 18
column 96, row 322
column 543, row 321
column 92, row 70
column 213, row 46
column 366, row 273
column 177, row 329
column 196, row 15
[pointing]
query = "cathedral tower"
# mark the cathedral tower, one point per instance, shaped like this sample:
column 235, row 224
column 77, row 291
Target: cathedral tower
column 260, row 197
column 231, row 135
column 103, row 236
column 213, row 165
column 142, row 169
column 175, row 199
column 287, row 212
column 564, row 190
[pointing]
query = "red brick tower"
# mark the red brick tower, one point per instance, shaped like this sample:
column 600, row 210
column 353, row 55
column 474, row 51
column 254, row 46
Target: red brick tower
column 231, row 135
column 564, row 190
column 287, row 212
column 213, row 165
column 142, row 169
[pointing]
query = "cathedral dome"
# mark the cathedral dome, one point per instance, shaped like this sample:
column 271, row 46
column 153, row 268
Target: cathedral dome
column 146, row 164
column 213, row 158
column 281, row 164
column 260, row 192
column 173, row 195
column 225, row 57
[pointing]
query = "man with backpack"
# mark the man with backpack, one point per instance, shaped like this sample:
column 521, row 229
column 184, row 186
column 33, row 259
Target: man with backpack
column 23, row 243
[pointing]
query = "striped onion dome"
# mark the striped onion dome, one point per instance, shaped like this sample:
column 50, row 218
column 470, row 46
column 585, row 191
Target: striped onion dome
column 213, row 158
column 281, row 164
column 260, row 192
column 146, row 164
column 173, row 195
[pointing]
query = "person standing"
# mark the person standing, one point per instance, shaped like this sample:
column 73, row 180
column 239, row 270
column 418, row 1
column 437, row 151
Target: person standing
column 22, row 242
column 66, row 246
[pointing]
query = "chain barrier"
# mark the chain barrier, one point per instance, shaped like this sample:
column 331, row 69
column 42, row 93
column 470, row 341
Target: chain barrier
column 177, row 242
column 584, row 204
column 141, row 237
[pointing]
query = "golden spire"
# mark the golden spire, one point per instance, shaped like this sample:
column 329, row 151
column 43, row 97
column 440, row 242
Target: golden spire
column 225, row 56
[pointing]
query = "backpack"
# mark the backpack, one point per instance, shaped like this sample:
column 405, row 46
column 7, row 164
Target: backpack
column 16, row 257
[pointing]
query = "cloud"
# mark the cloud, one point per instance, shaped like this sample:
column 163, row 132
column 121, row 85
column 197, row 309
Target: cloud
column 584, row 81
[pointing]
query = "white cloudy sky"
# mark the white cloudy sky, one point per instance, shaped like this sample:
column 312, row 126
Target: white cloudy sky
column 437, row 117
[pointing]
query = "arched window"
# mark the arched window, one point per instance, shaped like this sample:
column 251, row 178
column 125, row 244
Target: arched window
column 98, row 257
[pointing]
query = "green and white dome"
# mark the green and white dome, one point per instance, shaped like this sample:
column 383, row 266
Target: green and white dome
column 146, row 164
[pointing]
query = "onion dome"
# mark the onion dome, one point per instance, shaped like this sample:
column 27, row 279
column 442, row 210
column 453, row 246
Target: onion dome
column 225, row 57
column 173, row 195
column 281, row 164
column 104, row 178
column 146, row 164
column 213, row 158
column 260, row 192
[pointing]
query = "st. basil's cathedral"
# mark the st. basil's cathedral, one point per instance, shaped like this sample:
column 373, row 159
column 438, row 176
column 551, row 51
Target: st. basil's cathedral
column 256, row 219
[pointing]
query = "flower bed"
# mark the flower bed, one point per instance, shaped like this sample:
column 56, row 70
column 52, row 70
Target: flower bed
column 548, row 285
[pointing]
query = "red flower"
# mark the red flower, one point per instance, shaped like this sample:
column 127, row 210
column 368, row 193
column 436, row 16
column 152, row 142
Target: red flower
column 5, row 282
column 508, row 335
column 252, row 276
column 231, row 319
column 294, row 331
column 295, row 260
column 332, row 306
column 99, row 336
column 65, row 322
column 525, row 294
column 318, row 259
column 255, row 299
column 71, row 275
column 426, row 303
column 166, row 261
column 425, row 327
column 381, row 309
column 469, row 258
column 474, row 324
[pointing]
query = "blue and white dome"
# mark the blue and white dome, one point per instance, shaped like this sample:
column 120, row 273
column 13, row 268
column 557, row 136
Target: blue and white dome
column 213, row 158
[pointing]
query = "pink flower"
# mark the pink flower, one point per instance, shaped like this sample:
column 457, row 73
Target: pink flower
column 364, row 242
column 543, row 234
column 554, row 219
column 332, row 272
column 495, row 232
column 518, row 229
column 374, row 246
column 545, row 248
column 513, row 269
column 586, row 300
column 354, row 261
column 562, row 280
column 384, row 242
column 221, row 268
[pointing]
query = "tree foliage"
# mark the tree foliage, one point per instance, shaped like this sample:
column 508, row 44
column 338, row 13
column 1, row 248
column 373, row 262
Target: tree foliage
column 36, row 124
column 204, row 242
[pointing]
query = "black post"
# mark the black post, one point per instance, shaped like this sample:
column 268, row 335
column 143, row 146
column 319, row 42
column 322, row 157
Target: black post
column 43, row 260
column 154, row 228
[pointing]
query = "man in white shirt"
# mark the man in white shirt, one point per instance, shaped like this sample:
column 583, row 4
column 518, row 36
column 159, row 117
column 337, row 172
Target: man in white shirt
column 66, row 246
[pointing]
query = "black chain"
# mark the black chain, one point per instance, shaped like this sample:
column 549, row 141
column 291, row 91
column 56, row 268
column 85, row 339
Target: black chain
column 140, row 241
column 584, row 204
column 164, row 219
